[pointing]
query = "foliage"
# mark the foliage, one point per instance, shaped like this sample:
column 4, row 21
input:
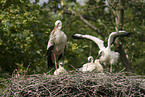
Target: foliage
column 25, row 29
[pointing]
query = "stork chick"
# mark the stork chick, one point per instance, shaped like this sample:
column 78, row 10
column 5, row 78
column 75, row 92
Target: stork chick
column 60, row 70
column 92, row 66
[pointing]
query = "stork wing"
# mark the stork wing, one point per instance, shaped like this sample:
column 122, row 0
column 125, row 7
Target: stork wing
column 114, row 35
column 98, row 41
column 112, row 38
column 50, row 47
column 51, row 39
column 49, row 59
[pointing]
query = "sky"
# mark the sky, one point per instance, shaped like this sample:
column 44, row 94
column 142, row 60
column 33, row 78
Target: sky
column 41, row 2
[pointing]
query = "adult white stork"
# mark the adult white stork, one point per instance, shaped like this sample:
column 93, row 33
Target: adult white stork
column 60, row 70
column 90, row 66
column 56, row 45
column 105, row 54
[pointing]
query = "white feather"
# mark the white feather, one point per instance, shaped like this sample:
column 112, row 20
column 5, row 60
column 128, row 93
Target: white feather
column 92, row 66
column 58, row 41
column 60, row 70
column 108, row 56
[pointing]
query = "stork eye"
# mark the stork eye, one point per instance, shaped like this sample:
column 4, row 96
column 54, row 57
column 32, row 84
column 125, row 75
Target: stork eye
column 58, row 23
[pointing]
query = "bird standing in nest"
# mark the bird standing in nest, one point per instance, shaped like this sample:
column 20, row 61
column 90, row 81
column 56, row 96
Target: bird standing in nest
column 56, row 45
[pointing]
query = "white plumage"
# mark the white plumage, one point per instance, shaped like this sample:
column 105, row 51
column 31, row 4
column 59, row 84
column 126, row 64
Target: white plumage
column 92, row 66
column 60, row 70
column 56, row 45
column 99, row 67
column 90, row 59
column 106, row 55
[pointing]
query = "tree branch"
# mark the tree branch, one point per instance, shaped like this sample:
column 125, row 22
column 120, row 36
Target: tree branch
column 91, row 26
column 119, row 46
column 85, row 21
column 119, row 18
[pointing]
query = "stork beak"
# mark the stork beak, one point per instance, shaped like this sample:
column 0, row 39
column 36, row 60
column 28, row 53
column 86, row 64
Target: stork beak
column 55, row 27
column 99, row 55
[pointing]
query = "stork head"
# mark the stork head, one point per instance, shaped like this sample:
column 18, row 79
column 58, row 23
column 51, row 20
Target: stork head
column 100, row 54
column 58, row 24
column 90, row 59
column 61, row 64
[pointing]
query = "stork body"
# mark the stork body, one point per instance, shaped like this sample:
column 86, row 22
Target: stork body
column 56, row 45
column 99, row 67
column 105, row 54
column 92, row 66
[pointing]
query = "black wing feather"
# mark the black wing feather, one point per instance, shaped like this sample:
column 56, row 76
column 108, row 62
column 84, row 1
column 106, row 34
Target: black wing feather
column 49, row 59
column 59, row 57
column 77, row 37
column 127, row 34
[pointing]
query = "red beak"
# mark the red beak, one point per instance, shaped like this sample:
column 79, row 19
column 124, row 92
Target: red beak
column 55, row 27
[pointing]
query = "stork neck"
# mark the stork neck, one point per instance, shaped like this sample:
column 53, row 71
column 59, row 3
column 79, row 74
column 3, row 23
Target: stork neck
column 92, row 60
column 58, row 28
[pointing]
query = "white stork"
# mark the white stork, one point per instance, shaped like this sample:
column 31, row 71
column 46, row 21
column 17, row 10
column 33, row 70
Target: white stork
column 60, row 70
column 105, row 54
column 90, row 59
column 56, row 45
column 92, row 66
column 99, row 67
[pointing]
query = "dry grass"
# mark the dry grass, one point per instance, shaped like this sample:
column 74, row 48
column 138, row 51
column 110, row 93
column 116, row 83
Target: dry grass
column 76, row 84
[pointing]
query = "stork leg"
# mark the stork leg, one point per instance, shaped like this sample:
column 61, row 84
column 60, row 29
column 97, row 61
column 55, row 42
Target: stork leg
column 55, row 61
column 111, row 68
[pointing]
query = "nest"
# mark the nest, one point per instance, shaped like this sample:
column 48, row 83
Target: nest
column 76, row 84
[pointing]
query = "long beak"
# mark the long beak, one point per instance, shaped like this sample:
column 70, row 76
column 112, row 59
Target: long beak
column 55, row 27
column 99, row 55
